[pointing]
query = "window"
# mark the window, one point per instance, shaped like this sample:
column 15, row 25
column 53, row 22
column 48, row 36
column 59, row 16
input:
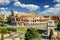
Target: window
column 33, row 20
column 25, row 20
column 17, row 19
column 46, row 16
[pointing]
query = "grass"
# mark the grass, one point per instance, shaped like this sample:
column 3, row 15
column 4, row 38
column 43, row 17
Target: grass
column 21, row 30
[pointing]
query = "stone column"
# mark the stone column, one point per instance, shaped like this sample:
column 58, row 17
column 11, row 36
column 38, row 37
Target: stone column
column 49, row 28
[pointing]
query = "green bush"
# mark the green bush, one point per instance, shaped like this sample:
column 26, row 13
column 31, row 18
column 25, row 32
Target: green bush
column 11, row 29
column 32, row 34
column 3, row 30
column 40, row 31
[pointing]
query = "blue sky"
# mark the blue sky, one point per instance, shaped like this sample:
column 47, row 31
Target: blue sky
column 42, row 7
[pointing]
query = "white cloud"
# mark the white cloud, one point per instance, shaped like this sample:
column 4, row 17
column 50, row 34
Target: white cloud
column 31, row 7
column 46, row 6
column 2, row 8
column 57, row 5
column 4, row 12
column 16, row 12
column 56, row 1
column 15, row 0
column 4, row 2
column 17, row 3
column 54, row 11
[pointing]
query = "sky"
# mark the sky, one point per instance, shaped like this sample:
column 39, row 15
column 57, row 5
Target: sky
column 41, row 7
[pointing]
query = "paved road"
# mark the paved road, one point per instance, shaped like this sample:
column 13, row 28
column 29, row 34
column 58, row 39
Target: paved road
column 44, row 36
column 45, row 39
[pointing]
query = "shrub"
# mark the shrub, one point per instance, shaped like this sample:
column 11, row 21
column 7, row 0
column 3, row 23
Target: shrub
column 11, row 29
column 31, row 34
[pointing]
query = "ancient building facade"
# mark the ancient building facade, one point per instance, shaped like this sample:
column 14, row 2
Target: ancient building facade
column 3, row 17
column 26, row 19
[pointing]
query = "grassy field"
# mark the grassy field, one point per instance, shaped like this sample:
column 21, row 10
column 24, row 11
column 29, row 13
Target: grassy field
column 21, row 30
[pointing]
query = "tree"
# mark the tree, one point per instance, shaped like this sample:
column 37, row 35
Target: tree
column 51, row 33
column 2, row 36
column 32, row 34
column 3, row 30
column 9, row 19
column 2, row 23
column 58, row 26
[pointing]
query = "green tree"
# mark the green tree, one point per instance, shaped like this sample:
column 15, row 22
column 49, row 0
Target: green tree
column 2, row 23
column 2, row 36
column 3, row 30
column 51, row 33
column 9, row 19
column 32, row 34
column 58, row 26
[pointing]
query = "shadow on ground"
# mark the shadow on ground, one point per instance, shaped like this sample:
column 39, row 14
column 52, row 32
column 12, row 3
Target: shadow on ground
column 45, row 37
